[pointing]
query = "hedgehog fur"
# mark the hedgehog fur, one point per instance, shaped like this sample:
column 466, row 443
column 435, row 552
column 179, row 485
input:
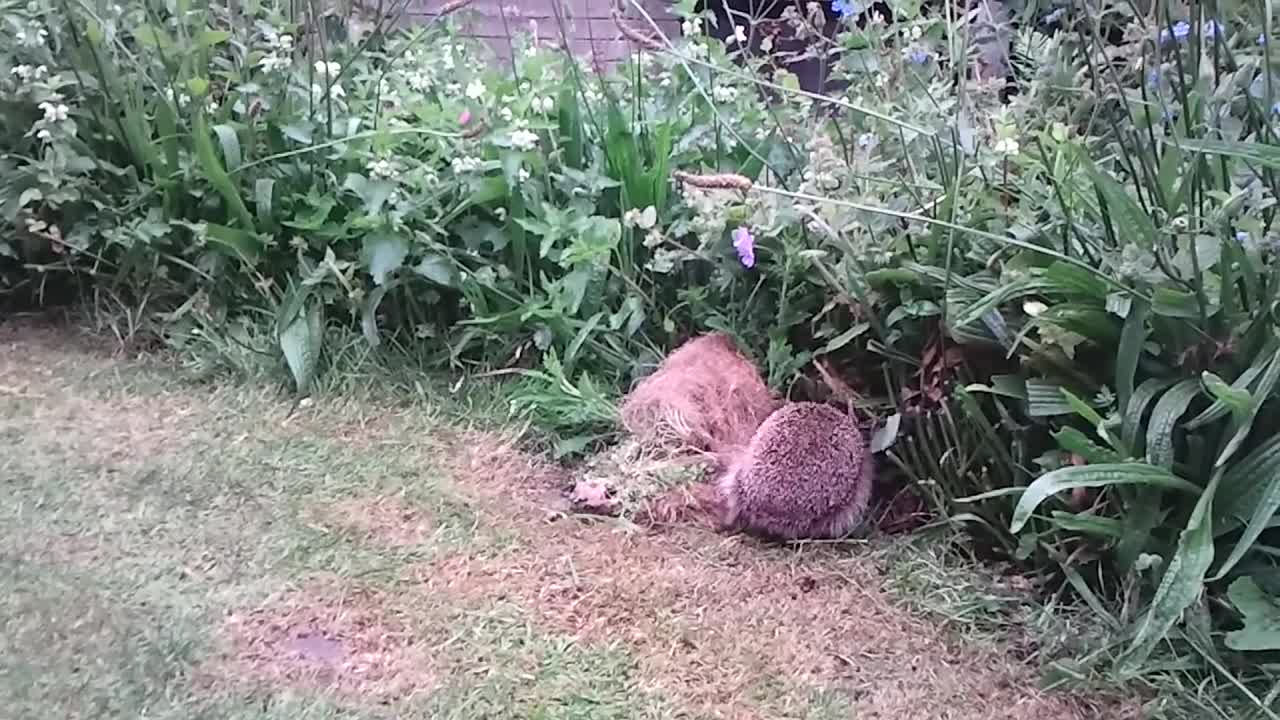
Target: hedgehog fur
column 806, row 473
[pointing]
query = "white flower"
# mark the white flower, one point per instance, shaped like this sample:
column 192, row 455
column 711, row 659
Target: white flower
column 524, row 140
column 724, row 93
column 335, row 92
column 446, row 59
column 285, row 43
column 1034, row 308
column 505, row 114
column 465, row 164
column 475, row 90
column 40, row 71
column 522, row 175
column 54, row 113
column 643, row 219
column 543, row 105
column 739, row 34
column 383, row 169
column 1006, row 146
column 32, row 39
column 916, row 32
column 452, row 89
column 272, row 62
column 867, row 140
column 766, row 44
column 328, row 69
column 22, row 71
column 45, row 135
column 881, row 80
column 691, row 27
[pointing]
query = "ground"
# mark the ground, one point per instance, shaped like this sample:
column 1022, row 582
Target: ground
column 174, row 550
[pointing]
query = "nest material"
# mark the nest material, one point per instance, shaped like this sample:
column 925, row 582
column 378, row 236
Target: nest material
column 706, row 397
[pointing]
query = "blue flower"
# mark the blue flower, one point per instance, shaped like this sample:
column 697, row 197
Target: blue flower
column 1153, row 79
column 846, row 8
column 1242, row 237
column 918, row 57
column 1275, row 108
column 1179, row 32
column 1262, row 39
column 1054, row 16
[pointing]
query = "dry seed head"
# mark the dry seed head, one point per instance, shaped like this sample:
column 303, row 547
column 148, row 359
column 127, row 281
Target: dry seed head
column 725, row 181
column 645, row 41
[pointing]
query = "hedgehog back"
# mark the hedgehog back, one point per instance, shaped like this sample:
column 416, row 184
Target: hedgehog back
column 805, row 473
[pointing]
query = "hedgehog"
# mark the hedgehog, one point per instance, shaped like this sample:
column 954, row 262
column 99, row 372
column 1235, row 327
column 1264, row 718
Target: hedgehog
column 805, row 473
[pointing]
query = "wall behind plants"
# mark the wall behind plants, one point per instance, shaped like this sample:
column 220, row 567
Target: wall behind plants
column 1065, row 294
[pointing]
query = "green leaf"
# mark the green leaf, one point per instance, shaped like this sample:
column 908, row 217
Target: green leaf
column 438, row 269
column 1254, row 152
column 315, row 219
column 1132, row 337
column 1237, row 400
column 844, row 338
column 1256, row 481
column 216, row 175
column 1164, row 420
column 383, row 254
column 150, row 36
column 1131, row 421
column 1046, row 399
column 230, row 146
column 369, row 315
column 1074, row 441
column 1182, row 583
column 1092, row 476
column 300, row 331
column 1261, row 613
column 1168, row 302
column 263, row 194
column 1103, row 527
column 1219, row 408
column 209, row 38
column 235, row 242
column 1244, row 425
column 373, row 193
column 1126, row 214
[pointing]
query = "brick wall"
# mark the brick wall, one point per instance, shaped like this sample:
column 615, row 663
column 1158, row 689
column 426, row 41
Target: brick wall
column 589, row 25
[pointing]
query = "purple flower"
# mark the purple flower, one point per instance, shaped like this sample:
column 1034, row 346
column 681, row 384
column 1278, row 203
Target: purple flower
column 846, row 8
column 1275, row 108
column 746, row 246
column 918, row 57
column 1153, row 79
column 1054, row 16
column 1262, row 39
column 1242, row 237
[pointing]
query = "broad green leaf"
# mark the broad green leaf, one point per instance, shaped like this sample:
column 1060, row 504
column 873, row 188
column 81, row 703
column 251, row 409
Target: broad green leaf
column 1127, row 216
column 1046, row 399
column 369, row 315
column 1074, row 441
column 300, row 336
column 383, row 254
column 1168, row 302
column 1261, row 613
column 1011, row 386
column 1219, row 408
column 1256, row 484
column 1132, row 337
column 1075, row 279
column 1237, row 400
column 263, row 199
column 1254, row 152
column 234, row 241
column 316, row 218
column 209, row 38
column 1164, row 420
column 844, row 338
column 1182, row 583
column 1087, row 524
column 216, row 175
column 438, row 269
column 1093, row 476
column 1244, row 425
column 230, row 146
column 1131, row 421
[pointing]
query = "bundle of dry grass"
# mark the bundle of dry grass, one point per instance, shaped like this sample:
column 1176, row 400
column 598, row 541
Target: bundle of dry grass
column 706, row 396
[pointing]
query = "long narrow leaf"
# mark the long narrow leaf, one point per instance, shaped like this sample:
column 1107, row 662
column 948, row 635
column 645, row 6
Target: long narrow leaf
column 1182, row 583
column 1164, row 420
column 1093, row 476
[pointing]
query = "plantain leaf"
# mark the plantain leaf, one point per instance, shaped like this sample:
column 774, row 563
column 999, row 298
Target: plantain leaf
column 1255, row 482
column 1182, row 583
column 1093, row 476
column 300, row 331
column 263, row 194
column 1132, row 336
column 216, row 174
column 1074, row 441
column 1164, row 420
column 1046, row 399
column 1131, row 422
column 1219, row 408
column 1261, row 613
column 230, row 146
column 1087, row 524
column 1126, row 213
column 1243, row 426
column 1254, row 152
